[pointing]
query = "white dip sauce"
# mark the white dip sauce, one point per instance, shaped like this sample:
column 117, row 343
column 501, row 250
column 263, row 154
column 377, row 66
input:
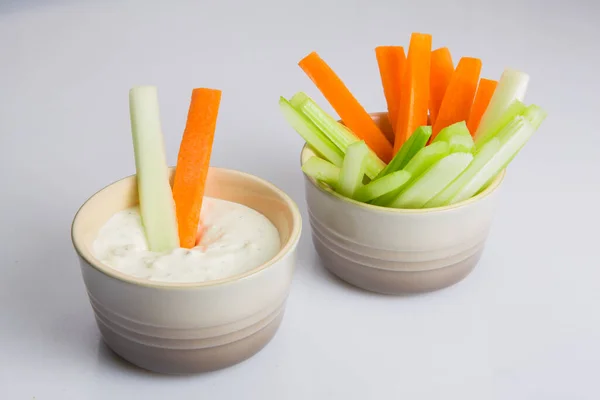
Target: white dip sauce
column 236, row 239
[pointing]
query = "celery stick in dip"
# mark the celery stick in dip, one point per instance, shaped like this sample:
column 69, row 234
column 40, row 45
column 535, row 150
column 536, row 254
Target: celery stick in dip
column 235, row 240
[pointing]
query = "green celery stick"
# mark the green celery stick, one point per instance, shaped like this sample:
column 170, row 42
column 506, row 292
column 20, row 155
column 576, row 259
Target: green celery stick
column 311, row 133
column 457, row 136
column 535, row 115
column 481, row 158
column 157, row 207
column 298, row 99
column 353, row 169
column 422, row 161
column 322, row 171
column 377, row 188
column 512, row 86
column 433, row 181
column 512, row 138
column 516, row 108
column 415, row 142
column 339, row 134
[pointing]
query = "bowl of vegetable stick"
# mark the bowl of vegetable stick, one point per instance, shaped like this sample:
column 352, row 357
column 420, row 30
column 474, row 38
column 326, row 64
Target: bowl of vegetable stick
column 206, row 319
column 401, row 201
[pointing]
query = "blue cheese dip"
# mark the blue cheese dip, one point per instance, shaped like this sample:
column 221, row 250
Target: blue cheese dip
column 235, row 239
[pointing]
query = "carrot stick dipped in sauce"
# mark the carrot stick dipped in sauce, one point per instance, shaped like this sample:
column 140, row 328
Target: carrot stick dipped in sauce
column 193, row 163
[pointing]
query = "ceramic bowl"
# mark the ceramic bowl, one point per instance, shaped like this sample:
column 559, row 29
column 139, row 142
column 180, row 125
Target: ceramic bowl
column 184, row 328
column 395, row 251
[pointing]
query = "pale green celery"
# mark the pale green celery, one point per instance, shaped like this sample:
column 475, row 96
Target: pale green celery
column 386, row 184
column 353, row 169
column 512, row 86
column 309, row 132
column 423, row 160
column 535, row 115
column 457, row 136
column 298, row 99
column 433, row 181
column 481, row 158
column 512, row 138
column 339, row 134
column 322, row 171
column 155, row 196
column 415, row 142
column 515, row 109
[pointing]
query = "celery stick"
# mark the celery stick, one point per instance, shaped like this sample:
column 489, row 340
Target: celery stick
column 339, row 134
column 433, row 181
column 481, row 158
column 457, row 136
column 535, row 115
column 377, row 188
column 353, row 169
column 516, row 108
column 415, row 142
column 311, row 133
column 512, row 138
column 322, row 170
column 154, row 192
column 298, row 99
column 511, row 87
column 423, row 160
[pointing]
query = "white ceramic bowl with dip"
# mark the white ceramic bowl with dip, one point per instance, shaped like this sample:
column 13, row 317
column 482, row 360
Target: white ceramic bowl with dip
column 179, row 328
column 395, row 251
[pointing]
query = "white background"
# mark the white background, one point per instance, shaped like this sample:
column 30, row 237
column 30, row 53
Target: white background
column 524, row 325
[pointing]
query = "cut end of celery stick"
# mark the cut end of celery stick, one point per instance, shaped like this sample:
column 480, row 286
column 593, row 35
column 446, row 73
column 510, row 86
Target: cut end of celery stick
column 458, row 138
column 415, row 142
column 310, row 133
column 157, row 207
column 339, row 134
column 379, row 187
column 481, row 158
column 433, row 181
column 322, row 171
column 512, row 138
column 511, row 86
column 535, row 115
column 353, row 169
column 421, row 161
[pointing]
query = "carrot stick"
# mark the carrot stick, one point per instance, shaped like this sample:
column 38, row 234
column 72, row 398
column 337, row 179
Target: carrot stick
column 414, row 100
column 442, row 68
column 345, row 104
column 457, row 102
column 193, row 162
column 391, row 61
column 482, row 99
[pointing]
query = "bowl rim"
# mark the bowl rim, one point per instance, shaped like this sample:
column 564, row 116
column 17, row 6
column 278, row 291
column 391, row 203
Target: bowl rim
column 107, row 270
column 400, row 211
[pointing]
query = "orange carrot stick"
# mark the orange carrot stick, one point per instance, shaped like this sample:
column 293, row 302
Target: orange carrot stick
column 457, row 102
column 193, row 162
column 414, row 100
column 482, row 99
column 391, row 61
column 345, row 104
column 442, row 68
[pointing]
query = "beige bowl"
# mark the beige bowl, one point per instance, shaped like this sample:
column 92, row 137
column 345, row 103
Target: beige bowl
column 396, row 251
column 191, row 327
